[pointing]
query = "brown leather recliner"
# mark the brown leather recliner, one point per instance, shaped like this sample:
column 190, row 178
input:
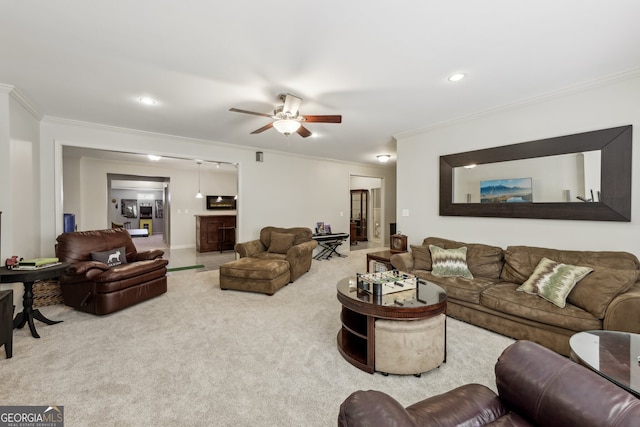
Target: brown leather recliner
column 536, row 386
column 93, row 286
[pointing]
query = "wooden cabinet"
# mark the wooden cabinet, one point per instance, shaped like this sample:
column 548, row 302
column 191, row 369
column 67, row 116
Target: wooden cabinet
column 359, row 213
column 215, row 232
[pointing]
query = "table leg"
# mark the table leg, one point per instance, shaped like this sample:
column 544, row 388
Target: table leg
column 28, row 313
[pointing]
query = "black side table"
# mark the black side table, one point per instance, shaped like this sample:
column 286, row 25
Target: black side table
column 27, row 277
column 6, row 321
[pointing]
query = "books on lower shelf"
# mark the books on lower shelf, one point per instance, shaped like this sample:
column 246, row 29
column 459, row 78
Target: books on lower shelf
column 37, row 263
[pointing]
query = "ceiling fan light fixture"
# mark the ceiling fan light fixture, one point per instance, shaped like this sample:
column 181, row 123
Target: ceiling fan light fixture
column 286, row 126
column 383, row 158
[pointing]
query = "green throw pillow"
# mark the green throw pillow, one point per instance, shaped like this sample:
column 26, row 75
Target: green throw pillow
column 553, row 280
column 449, row 262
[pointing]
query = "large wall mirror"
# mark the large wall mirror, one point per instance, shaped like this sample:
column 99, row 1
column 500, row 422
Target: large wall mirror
column 584, row 176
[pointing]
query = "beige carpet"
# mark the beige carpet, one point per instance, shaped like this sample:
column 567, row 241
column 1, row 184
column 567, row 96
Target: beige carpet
column 200, row 356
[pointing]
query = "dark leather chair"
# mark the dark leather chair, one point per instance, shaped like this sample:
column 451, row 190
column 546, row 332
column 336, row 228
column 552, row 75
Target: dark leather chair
column 94, row 287
column 536, row 387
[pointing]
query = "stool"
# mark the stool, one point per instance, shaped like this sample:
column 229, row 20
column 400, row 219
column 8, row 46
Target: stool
column 409, row 346
column 6, row 321
column 255, row 275
column 223, row 239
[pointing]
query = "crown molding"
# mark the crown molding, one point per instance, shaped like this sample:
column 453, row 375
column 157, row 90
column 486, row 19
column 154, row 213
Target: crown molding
column 611, row 78
column 15, row 93
column 111, row 128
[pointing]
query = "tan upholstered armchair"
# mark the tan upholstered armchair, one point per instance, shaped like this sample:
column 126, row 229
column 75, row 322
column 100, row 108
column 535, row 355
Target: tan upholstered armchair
column 294, row 245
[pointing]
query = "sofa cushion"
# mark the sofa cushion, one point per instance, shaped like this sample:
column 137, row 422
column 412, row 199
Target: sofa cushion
column 520, row 261
column 280, row 242
column 554, row 280
column 449, row 262
column 457, row 287
column 111, row 257
column 421, row 257
column 483, row 260
column 504, row 298
column 595, row 292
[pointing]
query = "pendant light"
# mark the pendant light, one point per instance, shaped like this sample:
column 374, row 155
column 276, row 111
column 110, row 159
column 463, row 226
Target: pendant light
column 199, row 194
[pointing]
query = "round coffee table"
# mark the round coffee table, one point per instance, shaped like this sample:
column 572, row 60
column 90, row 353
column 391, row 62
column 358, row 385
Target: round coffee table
column 361, row 309
column 614, row 355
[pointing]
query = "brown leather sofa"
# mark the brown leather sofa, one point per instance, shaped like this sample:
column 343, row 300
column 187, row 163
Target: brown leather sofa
column 94, row 287
column 608, row 298
column 536, row 387
column 297, row 251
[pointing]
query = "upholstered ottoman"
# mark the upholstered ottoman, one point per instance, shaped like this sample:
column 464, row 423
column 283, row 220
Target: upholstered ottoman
column 255, row 275
column 409, row 346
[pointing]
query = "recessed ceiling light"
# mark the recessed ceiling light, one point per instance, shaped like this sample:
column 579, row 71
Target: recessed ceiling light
column 147, row 101
column 456, row 77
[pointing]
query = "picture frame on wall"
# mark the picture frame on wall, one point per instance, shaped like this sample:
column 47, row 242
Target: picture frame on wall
column 129, row 208
column 513, row 190
column 159, row 209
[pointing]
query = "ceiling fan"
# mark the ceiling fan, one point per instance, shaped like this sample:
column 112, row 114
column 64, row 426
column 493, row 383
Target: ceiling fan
column 287, row 118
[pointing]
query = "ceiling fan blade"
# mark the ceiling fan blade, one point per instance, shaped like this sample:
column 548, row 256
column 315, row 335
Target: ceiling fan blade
column 303, row 131
column 263, row 128
column 237, row 110
column 291, row 105
column 323, row 119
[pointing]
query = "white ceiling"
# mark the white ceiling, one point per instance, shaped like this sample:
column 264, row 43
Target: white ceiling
column 383, row 65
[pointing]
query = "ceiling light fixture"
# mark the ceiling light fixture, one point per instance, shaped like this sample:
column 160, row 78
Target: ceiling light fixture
column 147, row 101
column 154, row 157
column 456, row 77
column 286, row 126
column 199, row 194
column 383, row 158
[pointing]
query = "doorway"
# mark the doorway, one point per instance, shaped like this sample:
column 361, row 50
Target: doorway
column 140, row 202
column 368, row 215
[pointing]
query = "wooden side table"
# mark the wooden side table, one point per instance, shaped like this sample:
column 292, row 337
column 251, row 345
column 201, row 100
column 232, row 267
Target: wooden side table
column 6, row 321
column 27, row 277
column 382, row 256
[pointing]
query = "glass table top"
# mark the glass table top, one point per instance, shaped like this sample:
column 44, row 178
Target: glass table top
column 423, row 295
column 614, row 355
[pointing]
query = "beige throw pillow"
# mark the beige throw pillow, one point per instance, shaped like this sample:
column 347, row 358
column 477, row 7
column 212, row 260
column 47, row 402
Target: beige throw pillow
column 553, row 280
column 449, row 262
column 281, row 242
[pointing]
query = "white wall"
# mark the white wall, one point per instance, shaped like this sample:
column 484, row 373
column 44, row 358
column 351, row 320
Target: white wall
column 598, row 106
column 19, row 198
column 284, row 190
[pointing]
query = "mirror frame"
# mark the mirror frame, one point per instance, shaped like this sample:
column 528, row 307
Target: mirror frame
column 615, row 179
